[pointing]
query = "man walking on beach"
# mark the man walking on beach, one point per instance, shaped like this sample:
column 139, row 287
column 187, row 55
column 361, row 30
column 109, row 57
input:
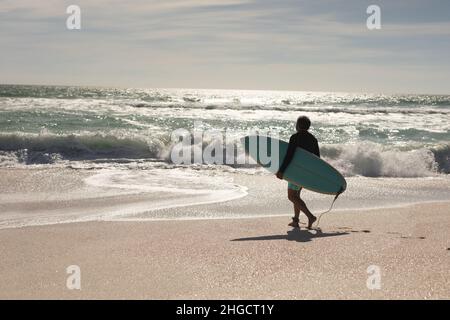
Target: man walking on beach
column 305, row 140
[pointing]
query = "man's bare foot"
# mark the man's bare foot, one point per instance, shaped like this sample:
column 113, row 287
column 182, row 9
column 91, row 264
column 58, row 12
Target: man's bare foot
column 311, row 221
column 294, row 223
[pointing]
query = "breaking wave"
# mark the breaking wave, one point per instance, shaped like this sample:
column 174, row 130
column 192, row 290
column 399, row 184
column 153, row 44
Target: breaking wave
column 373, row 160
column 363, row 158
column 32, row 148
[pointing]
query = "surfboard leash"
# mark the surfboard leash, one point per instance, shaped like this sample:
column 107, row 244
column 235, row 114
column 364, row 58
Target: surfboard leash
column 331, row 207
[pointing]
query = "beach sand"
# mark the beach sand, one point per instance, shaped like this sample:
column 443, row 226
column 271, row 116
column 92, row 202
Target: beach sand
column 236, row 258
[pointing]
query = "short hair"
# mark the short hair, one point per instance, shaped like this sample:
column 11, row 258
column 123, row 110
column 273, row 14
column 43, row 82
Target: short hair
column 303, row 123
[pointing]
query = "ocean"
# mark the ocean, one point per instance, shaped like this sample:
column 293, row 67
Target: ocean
column 369, row 135
column 394, row 148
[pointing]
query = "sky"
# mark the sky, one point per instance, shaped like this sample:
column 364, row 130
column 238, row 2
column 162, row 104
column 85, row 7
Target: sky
column 320, row 45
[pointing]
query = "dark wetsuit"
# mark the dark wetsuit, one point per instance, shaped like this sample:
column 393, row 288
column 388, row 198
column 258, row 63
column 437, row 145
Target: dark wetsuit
column 302, row 139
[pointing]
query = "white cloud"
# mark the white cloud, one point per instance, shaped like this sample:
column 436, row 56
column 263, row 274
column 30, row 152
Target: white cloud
column 158, row 39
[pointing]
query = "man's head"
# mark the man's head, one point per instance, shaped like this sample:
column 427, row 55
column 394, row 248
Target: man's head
column 303, row 123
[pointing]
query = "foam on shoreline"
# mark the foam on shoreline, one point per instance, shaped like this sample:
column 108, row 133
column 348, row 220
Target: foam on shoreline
column 52, row 196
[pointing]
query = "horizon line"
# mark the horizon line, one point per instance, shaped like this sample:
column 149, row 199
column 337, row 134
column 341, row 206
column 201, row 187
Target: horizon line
column 218, row 89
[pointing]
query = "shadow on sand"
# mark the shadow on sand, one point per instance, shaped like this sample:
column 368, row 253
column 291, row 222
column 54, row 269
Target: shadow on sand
column 296, row 235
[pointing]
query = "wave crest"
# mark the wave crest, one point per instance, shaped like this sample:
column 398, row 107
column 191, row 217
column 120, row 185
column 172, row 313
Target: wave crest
column 31, row 148
column 373, row 160
column 363, row 158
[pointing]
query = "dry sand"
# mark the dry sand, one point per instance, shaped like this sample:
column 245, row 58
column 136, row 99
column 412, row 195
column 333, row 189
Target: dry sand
column 254, row 258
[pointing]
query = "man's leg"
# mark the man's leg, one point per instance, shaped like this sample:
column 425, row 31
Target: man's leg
column 294, row 196
column 296, row 207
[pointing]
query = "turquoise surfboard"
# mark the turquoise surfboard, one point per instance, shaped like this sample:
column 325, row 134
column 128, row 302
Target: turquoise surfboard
column 305, row 170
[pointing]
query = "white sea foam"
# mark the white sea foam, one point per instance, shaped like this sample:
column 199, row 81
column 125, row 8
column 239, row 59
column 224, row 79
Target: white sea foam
column 373, row 160
column 360, row 158
column 154, row 189
column 362, row 134
column 126, row 134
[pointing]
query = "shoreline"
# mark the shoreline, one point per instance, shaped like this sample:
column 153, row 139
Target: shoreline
column 47, row 196
column 340, row 211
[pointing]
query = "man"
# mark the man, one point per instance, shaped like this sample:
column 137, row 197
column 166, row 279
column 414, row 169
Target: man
column 305, row 140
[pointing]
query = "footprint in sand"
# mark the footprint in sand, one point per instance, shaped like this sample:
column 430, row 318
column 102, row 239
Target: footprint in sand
column 405, row 237
column 358, row 231
column 354, row 231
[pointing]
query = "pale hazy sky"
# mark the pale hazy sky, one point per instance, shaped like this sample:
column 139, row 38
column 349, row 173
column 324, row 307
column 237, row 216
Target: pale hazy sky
column 321, row 45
